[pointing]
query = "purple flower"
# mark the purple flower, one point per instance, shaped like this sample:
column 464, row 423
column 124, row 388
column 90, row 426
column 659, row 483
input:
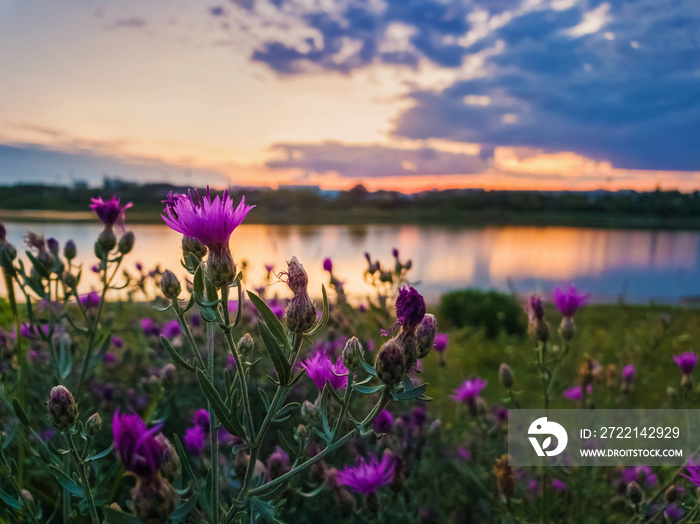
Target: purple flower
column 567, row 302
column 110, row 212
column 469, row 390
column 321, row 368
column 91, row 300
column 277, row 463
column 117, row 342
column 328, row 265
column 628, row 373
column 269, row 267
column 195, row 440
column 367, row 477
column 558, row 485
column 109, row 358
column 230, row 361
column 201, row 418
column 441, row 341
column 534, row 308
column 575, row 393
column 384, row 422
column 135, row 444
column 686, row 362
column 640, row 474
column 95, row 268
column 211, row 221
column 362, row 308
column 150, row 329
column 395, row 253
column 464, row 453
column 410, row 308
column 29, row 331
column 171, row 329
column 674, row 513
column 693, row 469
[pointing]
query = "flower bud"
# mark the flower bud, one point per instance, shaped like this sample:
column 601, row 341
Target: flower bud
column 70, row 280
column 193, row 246
column 567, row 328
column 301, row 432
column 390, row 363
column 409, row 345
column 297, row 279
column 504, row 476
column 154, row 499
column 246, row 345
column 300, row 313
column 634, row 493
column 126, row 243
column 671, row 494
column 168, row 375
column 352, row 353
column 52, row 244
column 505, row 375
column 221, row 269
column 69, row 250
column 94, row 424
column 170, row 285
column 171, row 467
column 106, row 241
column 426, row 333
column 539, row 330
column 309, row 412
column 63, row 411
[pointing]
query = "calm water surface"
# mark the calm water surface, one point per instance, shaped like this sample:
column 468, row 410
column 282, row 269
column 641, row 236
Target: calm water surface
column 639, row 265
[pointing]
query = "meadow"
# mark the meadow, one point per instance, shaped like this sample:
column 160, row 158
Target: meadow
column 211, row 398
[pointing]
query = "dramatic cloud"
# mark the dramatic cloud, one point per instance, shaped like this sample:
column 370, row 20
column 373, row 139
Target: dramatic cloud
column 372, row 161
column 615, row 81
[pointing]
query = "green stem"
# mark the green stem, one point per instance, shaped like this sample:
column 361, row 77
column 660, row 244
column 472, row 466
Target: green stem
column 383, row 401
column 184, row 326
column 66, row 494
column 85, row 479
column 346, row 403
column 214, row 438
column 22, row 357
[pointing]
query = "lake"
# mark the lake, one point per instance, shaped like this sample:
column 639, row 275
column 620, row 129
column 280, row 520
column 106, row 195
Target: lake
column 639, row 266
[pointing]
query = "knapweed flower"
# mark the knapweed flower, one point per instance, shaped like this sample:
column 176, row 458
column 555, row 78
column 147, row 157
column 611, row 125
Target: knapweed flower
column 628, row 373
column 277, row 463
column 441, row 341
column 117, row 342
column 693, row 470
column 90, row 300
column 686, row 362
column 211, row 222
column 384, row 422
column 534, row 308
column 538, row 328
column 642, row 475
column 410, row 308
column 558, row 485
column 300, row 313
column 469, row 390
column 110, row 212
column 328, row 265
column 63, row 411
column 575, row 393
column 321, row 368
column 150, row 329
column 569, row 300
column 366, row 477
column 135, row 444
column 195, row 440
column 464, row 453
column 202, row 419
column 171, row 329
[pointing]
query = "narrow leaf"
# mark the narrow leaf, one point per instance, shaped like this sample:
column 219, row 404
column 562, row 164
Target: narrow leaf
column 175, row 356
column 272, row 322
column 277, row 355
column 323, row 321
column 222, row 412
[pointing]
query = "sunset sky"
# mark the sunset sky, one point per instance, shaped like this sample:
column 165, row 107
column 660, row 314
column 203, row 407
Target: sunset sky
column 397, row 94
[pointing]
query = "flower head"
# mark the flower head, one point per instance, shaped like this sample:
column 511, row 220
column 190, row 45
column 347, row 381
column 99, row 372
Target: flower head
column 534, row 308
column 90, row 300
column 136, row 445
column 576, row 393
column 211, row 221
column 321, row 368
column 277, row 463
column 201, row 418
column 195, row 440
column 383, row 422
column 558, row 485
column 686, row 362
column 441, row 341
column 628, row 373
column 171, row 329
column 568, row 301
column 693, row 469
column 110, row 212
column 366, row 477
column 469, row 390
column 328, row 265
column 410, row 308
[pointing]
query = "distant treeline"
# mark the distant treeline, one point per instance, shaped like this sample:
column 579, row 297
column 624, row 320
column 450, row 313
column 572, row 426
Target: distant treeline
column 671, row 209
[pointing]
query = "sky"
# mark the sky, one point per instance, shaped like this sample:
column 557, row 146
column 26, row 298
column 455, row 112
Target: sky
column 405, row 95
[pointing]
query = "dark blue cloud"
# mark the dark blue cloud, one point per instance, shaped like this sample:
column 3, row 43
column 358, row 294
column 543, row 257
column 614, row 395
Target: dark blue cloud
column 626, row 90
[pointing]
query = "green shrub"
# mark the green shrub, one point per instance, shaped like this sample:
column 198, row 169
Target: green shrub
column 494, row 312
